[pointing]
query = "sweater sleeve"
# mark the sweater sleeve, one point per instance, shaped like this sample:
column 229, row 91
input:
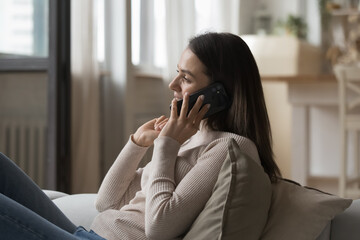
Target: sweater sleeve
column 170, row 209
column 122, row 180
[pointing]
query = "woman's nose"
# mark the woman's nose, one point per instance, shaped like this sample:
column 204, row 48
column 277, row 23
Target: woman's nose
column 174, row 85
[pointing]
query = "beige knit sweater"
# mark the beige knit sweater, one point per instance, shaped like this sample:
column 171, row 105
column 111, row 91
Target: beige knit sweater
column 161, row 200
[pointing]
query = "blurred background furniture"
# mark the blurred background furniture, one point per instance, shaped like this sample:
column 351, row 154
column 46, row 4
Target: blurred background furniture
column 348, row 77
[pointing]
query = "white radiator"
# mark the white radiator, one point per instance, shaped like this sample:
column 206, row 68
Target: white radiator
column 24, row 141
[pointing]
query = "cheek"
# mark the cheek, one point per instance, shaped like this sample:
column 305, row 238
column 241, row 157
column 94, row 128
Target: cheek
column 189, row 89
column 195, row 88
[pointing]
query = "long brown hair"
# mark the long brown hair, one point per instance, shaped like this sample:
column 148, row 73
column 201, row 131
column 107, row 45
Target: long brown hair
column 228, row 59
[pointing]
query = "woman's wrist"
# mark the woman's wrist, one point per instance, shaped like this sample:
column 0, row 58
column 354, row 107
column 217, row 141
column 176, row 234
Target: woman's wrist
column 135, row 140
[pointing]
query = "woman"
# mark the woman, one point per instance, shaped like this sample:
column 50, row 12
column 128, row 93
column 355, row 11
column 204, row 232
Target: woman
column 161, row 200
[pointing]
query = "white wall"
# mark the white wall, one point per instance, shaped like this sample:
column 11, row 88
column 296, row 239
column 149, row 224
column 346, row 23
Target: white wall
column 23, row 122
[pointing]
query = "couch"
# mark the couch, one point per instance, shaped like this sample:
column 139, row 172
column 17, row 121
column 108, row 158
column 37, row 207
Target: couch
column 80, row 209
column 245, row 204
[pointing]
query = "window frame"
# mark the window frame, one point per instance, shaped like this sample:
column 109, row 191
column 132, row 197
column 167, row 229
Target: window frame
column 24, row 64
column 57, row 66
column 18, row 63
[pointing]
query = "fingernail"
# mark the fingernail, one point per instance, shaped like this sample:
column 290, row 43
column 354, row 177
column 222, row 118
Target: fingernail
column 208, row 105
column 186, row 94
column 202, row 97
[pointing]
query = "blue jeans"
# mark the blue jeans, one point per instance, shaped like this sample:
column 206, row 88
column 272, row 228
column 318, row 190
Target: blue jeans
column 27, row 213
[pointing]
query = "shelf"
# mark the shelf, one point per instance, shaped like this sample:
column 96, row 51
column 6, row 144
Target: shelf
column 345, row 12
column 313, row 78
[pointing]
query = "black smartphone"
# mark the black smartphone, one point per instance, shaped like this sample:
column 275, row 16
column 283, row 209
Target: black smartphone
column 214, row 94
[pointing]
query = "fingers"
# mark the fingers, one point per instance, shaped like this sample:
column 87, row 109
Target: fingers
column 173, row 112
column 160, row 123
column 191, row 120
column 159, row 120
column 185, row 106
column 201, row 115
column 195, row 110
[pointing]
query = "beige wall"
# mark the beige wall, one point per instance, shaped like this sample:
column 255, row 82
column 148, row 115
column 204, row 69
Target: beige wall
column 23, row 121
column 280, row 119
column 23, row 94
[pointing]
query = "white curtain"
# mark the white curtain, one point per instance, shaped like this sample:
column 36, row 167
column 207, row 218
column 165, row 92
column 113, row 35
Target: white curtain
column 186, row 18
column 85, row 99
column 180, row 19
column 218, row 15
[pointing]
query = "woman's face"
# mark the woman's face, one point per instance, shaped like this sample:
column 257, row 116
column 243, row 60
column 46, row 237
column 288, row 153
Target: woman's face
column 191, row 75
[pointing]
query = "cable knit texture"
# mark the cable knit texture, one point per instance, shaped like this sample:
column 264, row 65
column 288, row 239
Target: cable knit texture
column 161, row 200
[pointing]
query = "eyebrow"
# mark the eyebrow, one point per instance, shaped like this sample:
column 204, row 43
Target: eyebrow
column 185, row 71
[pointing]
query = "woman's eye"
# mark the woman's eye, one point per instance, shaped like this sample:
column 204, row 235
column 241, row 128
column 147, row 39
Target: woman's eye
column 183, row 77
column 186, row 79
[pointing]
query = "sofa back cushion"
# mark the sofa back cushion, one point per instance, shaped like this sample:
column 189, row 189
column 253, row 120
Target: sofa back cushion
column 239, row 205
column 300, row 212
column 245, row 205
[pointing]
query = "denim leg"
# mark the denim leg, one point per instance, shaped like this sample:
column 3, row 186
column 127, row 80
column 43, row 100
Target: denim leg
column 19, row 222
column 16, row 185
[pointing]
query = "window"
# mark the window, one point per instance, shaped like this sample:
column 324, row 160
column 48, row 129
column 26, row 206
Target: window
column 206, row 15
column 24, row 27
column 148, row 33
column 35, row 47
column 148, row 29
column 100, row 29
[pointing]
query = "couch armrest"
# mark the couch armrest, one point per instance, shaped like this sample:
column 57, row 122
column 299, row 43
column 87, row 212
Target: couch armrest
column 54, row 194
column 346, row 225
column 79, row 208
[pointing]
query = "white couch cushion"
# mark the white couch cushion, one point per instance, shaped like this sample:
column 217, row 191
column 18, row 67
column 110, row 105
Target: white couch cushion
column 54, row 194
column 79, row 208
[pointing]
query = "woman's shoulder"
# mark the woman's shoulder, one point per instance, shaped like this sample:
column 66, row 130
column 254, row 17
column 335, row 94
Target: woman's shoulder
column 219, row 137
column 222, row 140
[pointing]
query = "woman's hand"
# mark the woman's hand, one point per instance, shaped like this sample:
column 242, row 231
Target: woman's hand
column 182, row 127
column 149, row 131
